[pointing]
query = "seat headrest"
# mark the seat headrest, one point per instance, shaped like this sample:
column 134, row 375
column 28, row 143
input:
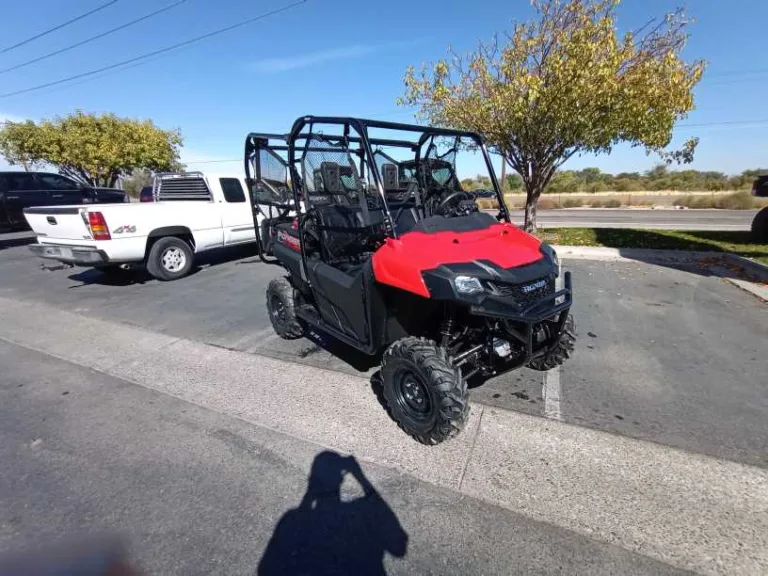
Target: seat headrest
column 389, row 177
column 331, row 177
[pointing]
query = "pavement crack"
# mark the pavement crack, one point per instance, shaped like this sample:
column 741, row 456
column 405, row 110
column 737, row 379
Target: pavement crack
column 471, row 448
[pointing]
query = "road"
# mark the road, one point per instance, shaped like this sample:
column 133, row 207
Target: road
column 194, row 491
column 655, row 343
column 641, row 218
column 171, row 412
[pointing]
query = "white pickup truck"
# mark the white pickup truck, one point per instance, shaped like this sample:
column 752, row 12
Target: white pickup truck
column 192, row 212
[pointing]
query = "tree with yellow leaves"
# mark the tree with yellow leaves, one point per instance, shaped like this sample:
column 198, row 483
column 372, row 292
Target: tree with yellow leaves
column 96, row 150
column 562, row 84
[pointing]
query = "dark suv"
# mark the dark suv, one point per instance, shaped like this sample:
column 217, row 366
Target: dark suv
column 19, row 190
column 760, row 187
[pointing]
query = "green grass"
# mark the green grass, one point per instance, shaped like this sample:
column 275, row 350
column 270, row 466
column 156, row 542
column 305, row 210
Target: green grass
column 735, row 242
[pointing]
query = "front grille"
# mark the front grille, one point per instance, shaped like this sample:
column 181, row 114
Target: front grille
column 518, row 293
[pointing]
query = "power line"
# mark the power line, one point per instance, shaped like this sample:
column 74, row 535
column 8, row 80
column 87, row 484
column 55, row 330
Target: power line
column 92, row 38
column 59, row 27
column 210, row 161
column 155, row 52
column 728, row 123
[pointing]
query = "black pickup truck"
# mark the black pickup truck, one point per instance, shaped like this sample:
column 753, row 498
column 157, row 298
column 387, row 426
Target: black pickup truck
column 19, row 190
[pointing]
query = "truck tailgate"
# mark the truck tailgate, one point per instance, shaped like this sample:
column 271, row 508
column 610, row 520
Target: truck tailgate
column 58, row 223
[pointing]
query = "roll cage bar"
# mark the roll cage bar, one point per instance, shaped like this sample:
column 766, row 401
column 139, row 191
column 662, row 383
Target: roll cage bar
column 361, row 126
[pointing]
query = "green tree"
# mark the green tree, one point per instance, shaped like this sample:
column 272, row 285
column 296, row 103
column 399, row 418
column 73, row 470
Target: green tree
column 514, row 182
column 133, row 184
column 97, row 150
column 565, row 83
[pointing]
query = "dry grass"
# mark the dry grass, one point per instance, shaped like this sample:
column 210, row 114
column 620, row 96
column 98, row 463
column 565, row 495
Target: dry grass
column 735, row 201
column 573, row 203
column 487, row 204
column 548, row 204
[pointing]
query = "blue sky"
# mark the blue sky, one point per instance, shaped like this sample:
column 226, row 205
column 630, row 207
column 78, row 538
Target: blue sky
column 345, row 58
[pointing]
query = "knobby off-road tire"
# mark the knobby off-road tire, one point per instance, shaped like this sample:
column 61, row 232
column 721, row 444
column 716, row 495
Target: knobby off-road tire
column 760, row 226
column 281, row 306
column 170, row 258
column 425, row 394
column 561, row 351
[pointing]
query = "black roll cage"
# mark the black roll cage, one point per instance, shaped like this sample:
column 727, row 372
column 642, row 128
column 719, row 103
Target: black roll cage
column 360, row 126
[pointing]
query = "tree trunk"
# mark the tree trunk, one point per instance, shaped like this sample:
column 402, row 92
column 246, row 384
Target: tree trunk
column 531, row 200
column 503, row 175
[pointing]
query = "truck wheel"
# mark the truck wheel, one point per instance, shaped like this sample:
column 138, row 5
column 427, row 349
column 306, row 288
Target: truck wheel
column 760, row 226
column 426, row 395
column 281, row 306
column 170, row 258
column 561, row 351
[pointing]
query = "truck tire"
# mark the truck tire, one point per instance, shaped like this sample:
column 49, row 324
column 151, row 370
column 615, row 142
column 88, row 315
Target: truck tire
column 561, row 351
column 170, row 258
column 281, row 306
column 425, row 394
column 760, row 226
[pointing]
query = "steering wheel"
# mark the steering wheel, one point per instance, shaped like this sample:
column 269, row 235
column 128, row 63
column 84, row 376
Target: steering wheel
column 450, row 199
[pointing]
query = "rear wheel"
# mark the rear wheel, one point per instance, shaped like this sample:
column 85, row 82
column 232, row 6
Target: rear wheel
column 561, row 351
column 170, row 258
column 425, row 393
column 281, row 306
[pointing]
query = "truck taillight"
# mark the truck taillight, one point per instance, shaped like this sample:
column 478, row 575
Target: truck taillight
column 98, row 226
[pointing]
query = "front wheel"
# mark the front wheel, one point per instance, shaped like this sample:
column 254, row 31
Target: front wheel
column 426, row 395
column 561, row 351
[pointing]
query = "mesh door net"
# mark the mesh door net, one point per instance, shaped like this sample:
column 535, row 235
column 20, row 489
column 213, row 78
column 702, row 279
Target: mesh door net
column 272, row 184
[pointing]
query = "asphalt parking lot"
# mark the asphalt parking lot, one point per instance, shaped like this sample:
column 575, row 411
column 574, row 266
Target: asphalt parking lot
column 667, row 354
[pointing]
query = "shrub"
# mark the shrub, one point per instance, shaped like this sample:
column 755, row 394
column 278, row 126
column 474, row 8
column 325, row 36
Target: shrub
column 612, row 203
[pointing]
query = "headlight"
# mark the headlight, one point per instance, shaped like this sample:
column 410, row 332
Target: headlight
column 467, row 285
column 549, row 251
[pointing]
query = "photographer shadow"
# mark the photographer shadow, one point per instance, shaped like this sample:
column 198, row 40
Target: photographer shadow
column 326, row 534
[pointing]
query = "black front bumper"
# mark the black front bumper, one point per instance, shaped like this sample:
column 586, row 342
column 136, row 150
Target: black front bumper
column 521, row 323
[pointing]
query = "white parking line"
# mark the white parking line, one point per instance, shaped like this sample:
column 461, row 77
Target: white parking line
column 551, row 392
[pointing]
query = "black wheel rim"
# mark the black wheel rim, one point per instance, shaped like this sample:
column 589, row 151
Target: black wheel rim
column 277, row 309
column 413, row 395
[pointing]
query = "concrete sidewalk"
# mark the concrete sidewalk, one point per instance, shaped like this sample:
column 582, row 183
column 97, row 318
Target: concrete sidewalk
column 685, row 509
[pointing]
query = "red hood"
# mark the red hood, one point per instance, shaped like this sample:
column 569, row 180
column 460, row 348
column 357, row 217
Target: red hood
column 400, row 262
